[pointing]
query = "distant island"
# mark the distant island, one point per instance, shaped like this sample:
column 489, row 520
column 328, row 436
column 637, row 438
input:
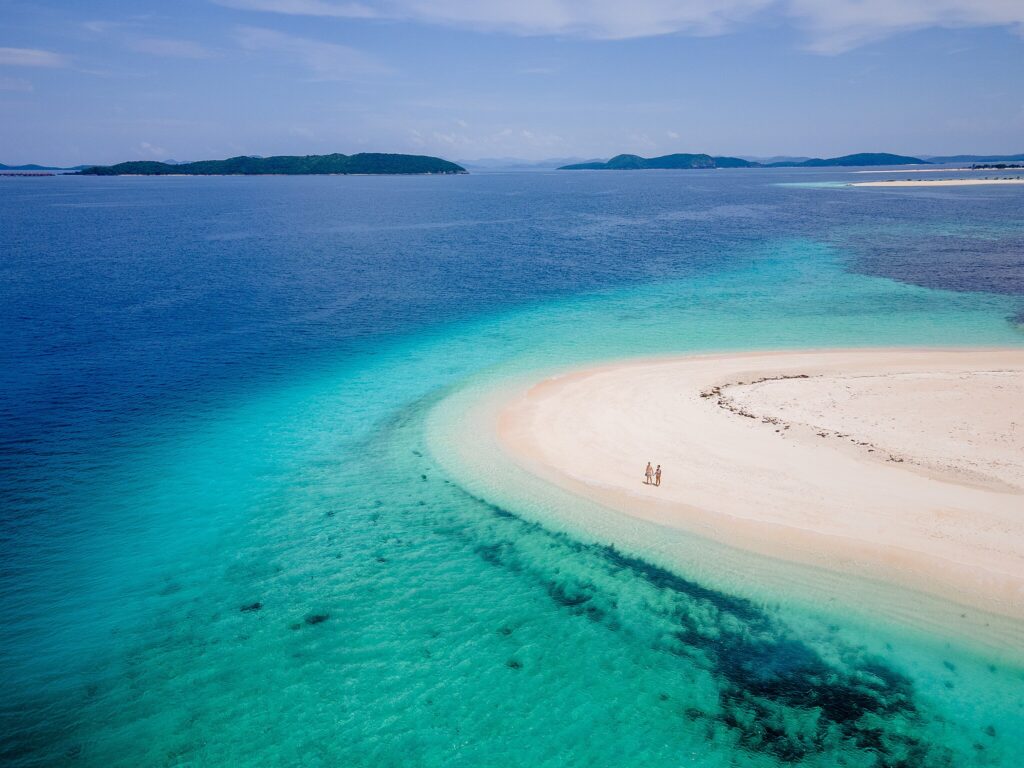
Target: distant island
column 287, row 165
column 974, row 158
column 34, row 167
column 519, row 164
column 862, row 158
column 635, row 162
column 379, row 163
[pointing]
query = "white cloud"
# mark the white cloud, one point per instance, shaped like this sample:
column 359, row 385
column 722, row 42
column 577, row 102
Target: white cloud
column 486, row 141
column 606, row 19
column 840, row 25
column 179, row 49
column 834, row 26
column 672, row 134
column 325, row 61
column 30, row 57
column 303, row 7
column 127, row 32
column 602, row 19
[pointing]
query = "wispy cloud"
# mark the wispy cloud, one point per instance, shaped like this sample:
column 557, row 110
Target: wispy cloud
column 325, row 61
column 488, row 141
column 609, row 19
column 130, row 34
column 31, row 57
column 836, row 26
column 178, row 49
column 303, row 7
column 833, row 26
column 15, row 84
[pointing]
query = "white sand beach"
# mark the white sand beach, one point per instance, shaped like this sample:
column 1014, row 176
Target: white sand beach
column 893, row 464
column 935, row 182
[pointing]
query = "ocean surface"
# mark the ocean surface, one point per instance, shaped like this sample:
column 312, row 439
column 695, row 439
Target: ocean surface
column 225, row 538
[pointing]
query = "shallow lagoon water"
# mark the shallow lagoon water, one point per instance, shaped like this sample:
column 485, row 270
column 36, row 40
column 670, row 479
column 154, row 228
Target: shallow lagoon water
column 226, row 539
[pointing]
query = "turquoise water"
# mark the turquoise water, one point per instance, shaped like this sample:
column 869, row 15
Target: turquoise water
column 287, row 576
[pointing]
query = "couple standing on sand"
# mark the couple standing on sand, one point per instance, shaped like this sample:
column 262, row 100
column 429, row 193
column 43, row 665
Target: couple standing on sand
column 652, row 473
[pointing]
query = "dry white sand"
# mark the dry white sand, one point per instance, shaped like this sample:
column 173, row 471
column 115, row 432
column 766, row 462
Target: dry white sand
column 934, row 182
column 902, row 465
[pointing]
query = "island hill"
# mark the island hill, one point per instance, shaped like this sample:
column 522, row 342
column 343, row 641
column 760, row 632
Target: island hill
column 286, row 165
column 35, row 167
column 635, row 162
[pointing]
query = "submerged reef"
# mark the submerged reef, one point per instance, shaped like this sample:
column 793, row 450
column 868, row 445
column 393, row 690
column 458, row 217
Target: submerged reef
column 777, row 694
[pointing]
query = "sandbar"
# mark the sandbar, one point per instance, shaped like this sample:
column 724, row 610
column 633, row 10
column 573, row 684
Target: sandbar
column 934, row 182
column 899, row 465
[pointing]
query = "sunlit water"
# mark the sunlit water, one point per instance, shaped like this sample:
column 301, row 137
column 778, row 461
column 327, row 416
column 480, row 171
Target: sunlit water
column 227, row 539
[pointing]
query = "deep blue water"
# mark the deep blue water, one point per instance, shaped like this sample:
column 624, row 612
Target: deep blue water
column 126, row 296
column 196, row 371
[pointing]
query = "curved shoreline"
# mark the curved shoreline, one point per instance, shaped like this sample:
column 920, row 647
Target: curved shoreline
column 781, row 489
column 938, row 591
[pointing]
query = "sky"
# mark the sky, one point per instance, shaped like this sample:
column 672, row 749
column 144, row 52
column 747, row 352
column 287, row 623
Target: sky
column 101, row 81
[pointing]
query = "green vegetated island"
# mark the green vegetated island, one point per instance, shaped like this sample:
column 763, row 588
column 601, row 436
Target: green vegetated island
column 286, row 165
column 635, row 162
column 35, row 167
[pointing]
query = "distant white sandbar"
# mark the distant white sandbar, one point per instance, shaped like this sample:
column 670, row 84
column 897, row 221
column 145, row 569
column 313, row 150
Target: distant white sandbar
column 935, row 182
